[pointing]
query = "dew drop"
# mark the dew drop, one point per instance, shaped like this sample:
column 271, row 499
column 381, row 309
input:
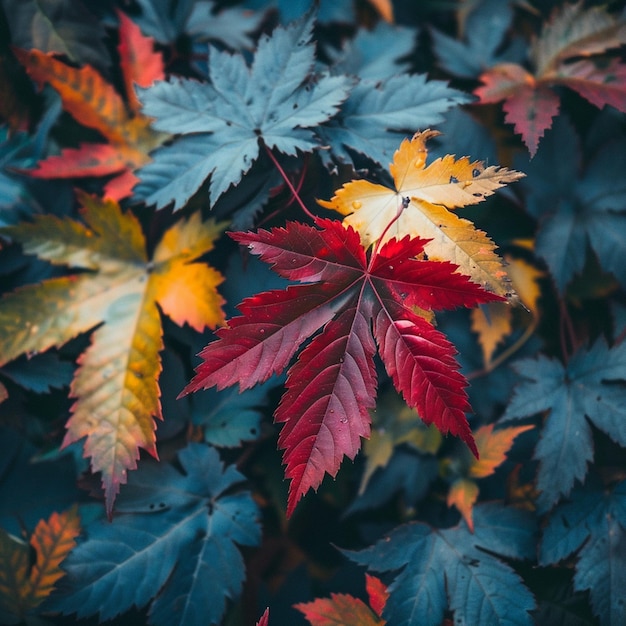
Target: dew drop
column 344, row 420
column 391, row 267
column 262, row 331
column 356, row 204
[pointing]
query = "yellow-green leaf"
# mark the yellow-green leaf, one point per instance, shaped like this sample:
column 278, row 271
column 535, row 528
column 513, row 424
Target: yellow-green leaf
column 422, row 198
column 116, row 383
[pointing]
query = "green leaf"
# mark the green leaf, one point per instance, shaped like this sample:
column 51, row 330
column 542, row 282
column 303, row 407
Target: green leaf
column 449, row 569
column 175, row 538
column 584, row 390
column 273, row 102
column 593, row 526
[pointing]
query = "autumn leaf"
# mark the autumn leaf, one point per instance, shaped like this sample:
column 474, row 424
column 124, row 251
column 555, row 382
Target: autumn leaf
column 264, row 620
column 493, row 322
column 345, row 610
column 115, row 385
column 568, row 52
column 356, row 300
column 23, row 587
column 95, row 103
column 423, row 196
column 492, row 450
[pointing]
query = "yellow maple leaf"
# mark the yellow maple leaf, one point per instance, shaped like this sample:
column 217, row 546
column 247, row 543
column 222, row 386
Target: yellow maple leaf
column 116, row 384
column 420, row 206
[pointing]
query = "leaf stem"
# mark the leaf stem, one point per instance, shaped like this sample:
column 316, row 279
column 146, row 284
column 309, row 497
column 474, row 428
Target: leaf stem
column 293, row 190
column 405, row 203
column 567, row 333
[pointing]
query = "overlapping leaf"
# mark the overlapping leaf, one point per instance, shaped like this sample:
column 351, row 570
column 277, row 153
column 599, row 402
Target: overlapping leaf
column 568, row 52
column 25, row 585
column 175, row 538
column 422, row 196
column 273, row 102
column 447, row 569
column 578, row 204
column 356, row 300
column 589, row 389
column 115, row 386
column 345, row 610
column 95, row 103
column 592, row 525
column 493, row 447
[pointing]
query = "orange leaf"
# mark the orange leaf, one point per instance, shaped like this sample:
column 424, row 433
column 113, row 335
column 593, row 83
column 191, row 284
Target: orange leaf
column 339, row 610
column 492, row 324
column 24, row 588
column 377, row 593
column 463, row 494
column 384, row 8
column 140, row 64
column 52, row 541
column 493, row 447
column 91, row 159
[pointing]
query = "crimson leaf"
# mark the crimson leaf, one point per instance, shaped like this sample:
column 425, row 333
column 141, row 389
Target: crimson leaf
column 359, row 302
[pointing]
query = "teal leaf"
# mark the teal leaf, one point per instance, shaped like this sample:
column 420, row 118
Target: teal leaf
column 40, row 373
column 273, row 102
column 577, row 204
column 440, row 569
column 174, row 537
column 485, row 29
column 375, row 54
column 228, row 417
column 379, row 114
column 587, row 390
column 592, row 525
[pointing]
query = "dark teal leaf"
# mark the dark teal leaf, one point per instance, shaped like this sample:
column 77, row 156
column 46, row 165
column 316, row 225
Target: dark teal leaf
column 228, row 417
column 485, row 28
column 164, row 20
column 274, row 101
column 379, row 114
column 586, row 390
column 450, row 569
column 409, row 473
column 327, row 10
column 575, row 207
column 375, row 54
column 593, row 525
column 173, row 538
column 40, row 373
column 64, row 27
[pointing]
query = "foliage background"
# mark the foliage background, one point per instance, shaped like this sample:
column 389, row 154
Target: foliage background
column 205, row 527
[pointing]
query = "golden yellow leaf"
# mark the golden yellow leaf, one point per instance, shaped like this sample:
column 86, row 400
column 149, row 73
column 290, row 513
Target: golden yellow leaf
column 492, row 325
column 525, row 280
column 463, row 494
column 420, row 205
column 493, row 447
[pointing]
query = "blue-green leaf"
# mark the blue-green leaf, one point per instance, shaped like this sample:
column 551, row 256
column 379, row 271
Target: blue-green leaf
column 449, row 569
column 593, row 525
column 571, row 395
column 174, row 537
column 274, row 101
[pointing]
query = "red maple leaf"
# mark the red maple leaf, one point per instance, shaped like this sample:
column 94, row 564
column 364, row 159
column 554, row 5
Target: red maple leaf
column 360, row 301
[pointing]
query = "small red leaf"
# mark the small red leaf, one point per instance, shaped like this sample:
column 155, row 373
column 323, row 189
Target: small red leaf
column 531, row 110
column 264, row 620
column 377, row 593
column 140, row 64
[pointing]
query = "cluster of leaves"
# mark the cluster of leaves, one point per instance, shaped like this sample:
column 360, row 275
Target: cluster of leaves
column 329, row 143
